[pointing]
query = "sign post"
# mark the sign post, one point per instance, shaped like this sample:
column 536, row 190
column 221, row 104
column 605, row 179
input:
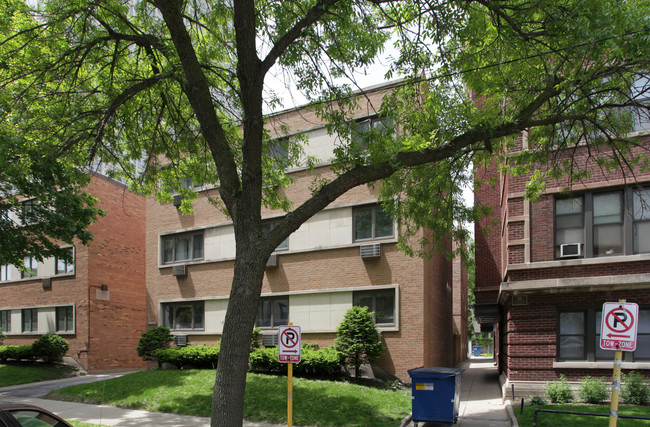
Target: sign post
column 289, row 352
column 618, row 332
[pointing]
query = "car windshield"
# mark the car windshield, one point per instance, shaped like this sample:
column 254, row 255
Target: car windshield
column 33, row 418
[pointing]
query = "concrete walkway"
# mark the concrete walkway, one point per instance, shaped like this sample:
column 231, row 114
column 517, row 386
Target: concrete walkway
column 480, row 404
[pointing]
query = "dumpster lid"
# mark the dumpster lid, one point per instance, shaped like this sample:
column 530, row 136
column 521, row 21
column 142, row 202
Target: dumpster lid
column 439, row 370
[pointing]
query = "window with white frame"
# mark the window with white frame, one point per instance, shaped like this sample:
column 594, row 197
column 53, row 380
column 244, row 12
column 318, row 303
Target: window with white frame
column 186, row 315
column 267, row 226
column 381, row 302
column 31, row 268
column 29, row 319
column 371, row 222
column 65, row 319
column 272, row 312
column 63, row 266
column 578, row 336
column 5, row 272
column 604, row 223
column 182, row 247
column 5, row 320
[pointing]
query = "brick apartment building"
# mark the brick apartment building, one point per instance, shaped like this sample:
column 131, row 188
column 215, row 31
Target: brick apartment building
column 345, row 255
column 545, row 270
column 97, row 303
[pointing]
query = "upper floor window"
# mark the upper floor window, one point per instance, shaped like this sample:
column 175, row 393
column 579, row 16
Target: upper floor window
column 31, row 268
column 371, row 222
column 267, row 226
column 5, row 320
column 65, row 319
column 182, row 247
column 272, row 312
column 29, row 211
column 61, row 266
column 184, row 315
column 598, row 224
column 380, row 302
column 366, row 128
column 30, row 320
column 5, row 272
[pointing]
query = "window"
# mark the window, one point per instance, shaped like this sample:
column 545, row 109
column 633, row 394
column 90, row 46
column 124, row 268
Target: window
column 31, row 266
column 603, row 223
column 371, row 222
column 569, row 222
column 65, row 319
column 182, row 247
column 34, row 418
column 365, row 129
column 184, row 315
column 578, row 336
column 29, row 211
column 5, row 320
column 61, row 266
column 279, row 153
column 272, row 312
column 5, row 272
column 380, row 302
column 267, row 226
column 30, row 320
column 641, row 209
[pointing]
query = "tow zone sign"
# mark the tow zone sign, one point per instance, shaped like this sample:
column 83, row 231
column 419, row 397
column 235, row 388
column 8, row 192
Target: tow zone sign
column 289, row 344
column 619, row 326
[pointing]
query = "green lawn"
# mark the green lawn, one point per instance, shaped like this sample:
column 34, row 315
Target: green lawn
column 545, row 419
column 23, row 374
column 321, row 403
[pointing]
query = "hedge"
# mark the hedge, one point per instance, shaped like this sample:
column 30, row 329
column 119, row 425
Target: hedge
column 326, row 362
column 50, row 348
column 195, row 356
column 16, row 352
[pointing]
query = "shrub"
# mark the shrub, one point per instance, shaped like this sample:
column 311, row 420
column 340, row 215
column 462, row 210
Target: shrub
column 50, row 348
column 559, row 391
column 197, row 356
column 320, row 363
column 255, row 338
column 358, row 339
column 635, row 389
column 2, row 337
column 155, row 338
column 536, row 401
column 15, row 352
column 266, row 360
column 593, row 390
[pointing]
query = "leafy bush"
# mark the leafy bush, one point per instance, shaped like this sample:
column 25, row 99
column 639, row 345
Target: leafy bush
column 536, row 401
column 2, row 337
column 593, row 390
column 255, row 338
column 266, row 360
column 358, row 339
column 196, row 356
column 50, row 348
column 559, row 391
column 155, row 338
column 16, row 352
column 325, row 362
column 635, row 389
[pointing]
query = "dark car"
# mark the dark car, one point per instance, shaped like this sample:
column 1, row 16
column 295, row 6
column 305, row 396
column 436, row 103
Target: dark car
column 20, row 414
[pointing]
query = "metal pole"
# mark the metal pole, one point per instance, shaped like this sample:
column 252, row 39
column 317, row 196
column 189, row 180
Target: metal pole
column 290, row 392
column 616, row 384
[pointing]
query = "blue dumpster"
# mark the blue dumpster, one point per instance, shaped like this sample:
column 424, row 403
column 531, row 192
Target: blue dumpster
column 476, row 350
column 435, row 394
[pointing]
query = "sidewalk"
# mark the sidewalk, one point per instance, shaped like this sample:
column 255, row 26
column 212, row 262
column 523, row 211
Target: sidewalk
column 480, row 405
column 480, row 398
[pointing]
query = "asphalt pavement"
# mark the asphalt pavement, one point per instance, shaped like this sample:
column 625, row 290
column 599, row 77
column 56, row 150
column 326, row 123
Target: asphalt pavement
column 480, row 402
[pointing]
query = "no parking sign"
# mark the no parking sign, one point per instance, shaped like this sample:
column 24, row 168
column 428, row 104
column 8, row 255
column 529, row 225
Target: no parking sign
column 619, row 326
column 289, row 344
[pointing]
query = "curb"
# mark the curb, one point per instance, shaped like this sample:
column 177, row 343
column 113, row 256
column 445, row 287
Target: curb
column 511, row 414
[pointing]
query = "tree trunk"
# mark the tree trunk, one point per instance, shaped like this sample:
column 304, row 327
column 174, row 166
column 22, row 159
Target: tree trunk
column 228, row 398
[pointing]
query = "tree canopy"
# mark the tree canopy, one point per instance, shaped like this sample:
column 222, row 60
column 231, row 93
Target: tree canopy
column 184, row 86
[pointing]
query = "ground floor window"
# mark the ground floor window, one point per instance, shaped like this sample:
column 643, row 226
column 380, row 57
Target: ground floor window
column 579, row 336
column 65, row 319
column 184, row 315
column 5, row 320
column 380, row 302
column 273, row 312
column 30, row 320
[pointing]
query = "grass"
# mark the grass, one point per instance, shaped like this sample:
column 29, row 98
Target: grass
column 551, row 420
column 15, row 374
column 315, row 402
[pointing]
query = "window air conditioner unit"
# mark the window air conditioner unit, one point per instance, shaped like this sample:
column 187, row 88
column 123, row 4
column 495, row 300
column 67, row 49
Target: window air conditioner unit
column 270, row 340
column 370, row 251
column 47, row 283
column 180, row 340
column 179, row 270
column 178, row 199
column 272, row 261
column 570, row 250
